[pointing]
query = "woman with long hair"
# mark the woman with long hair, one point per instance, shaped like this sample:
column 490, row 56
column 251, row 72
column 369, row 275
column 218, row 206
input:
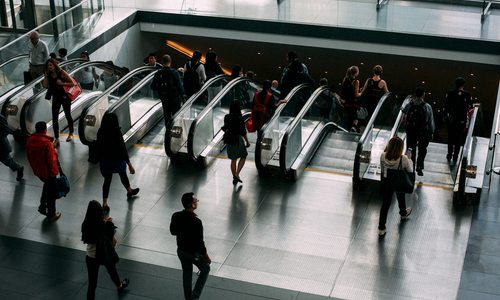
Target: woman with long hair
column 94, row 227
column 237, row 71
column 349, row 91
column 194, row 74
column 113, row 157
column 55, row 79
column 234, row 122
column 392, row 158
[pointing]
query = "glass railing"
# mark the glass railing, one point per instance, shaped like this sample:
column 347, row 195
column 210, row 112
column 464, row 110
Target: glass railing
column 36, row 108
column 11, row 72
column 466, row 158
column 209, row 122
column 399, row 126
column 176, row 133
column 375, row 136
column 66, row 30
column 130, row 87
column 308, row 128
column 492, row 162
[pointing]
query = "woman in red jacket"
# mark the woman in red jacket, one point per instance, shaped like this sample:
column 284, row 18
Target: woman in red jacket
column 43, row 160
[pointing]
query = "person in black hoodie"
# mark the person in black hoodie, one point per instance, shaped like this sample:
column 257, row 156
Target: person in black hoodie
column 113, row 157
column 94, row 227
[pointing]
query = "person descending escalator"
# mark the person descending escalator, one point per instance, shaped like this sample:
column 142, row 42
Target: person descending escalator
column 263, row 107
column 294, row 77
column 212, row 69
column 372, row 90
column 169, row 86
column 194, row 74
column 349, row 92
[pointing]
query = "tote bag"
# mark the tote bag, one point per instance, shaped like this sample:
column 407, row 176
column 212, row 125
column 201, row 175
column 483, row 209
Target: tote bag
column 73, row 91
column 400, row 181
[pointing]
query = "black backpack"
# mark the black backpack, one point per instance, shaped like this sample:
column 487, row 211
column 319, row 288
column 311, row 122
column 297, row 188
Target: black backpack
column 166, row 88
column 415, row 119
column 191, row 79
column 230, row 137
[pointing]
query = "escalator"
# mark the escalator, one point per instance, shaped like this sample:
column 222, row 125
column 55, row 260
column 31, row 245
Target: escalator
column 11, row 74
column 325, row 145
column 37, row 109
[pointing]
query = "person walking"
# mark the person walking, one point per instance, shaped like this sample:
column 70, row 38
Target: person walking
column 113, row 157
column 349, row 92
column 234, row 122
column 94, row 227
column 372, row 90
column 194, row 74
column 55, row 79
column 191, row 250
column 38, row 53
column 419, row 128
column 5, row 149
column 457, row 105
column 393, row 158
column 43, row 161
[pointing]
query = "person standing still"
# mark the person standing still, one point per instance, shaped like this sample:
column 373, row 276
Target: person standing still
column 5, row 149
column 191, row 248
column 38, row 54
column 458, row 102
column 419, row 128
column 169, row 86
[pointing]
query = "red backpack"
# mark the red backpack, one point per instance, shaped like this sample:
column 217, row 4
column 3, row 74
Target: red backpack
column 259, row 115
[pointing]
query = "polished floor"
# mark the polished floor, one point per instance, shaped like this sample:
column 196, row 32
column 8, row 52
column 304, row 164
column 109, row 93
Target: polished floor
column 313, row 237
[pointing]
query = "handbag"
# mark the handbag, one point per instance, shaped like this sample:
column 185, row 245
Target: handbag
column 73, row 91
column 61, row 183
column 400, row 181
column 105, row 253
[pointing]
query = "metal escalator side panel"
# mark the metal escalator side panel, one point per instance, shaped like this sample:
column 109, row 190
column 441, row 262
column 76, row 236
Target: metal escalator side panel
column 177, row 129
column 90, row 119
column 143, row 125
column 11, row 73
column 270, row 135
column 209, row 122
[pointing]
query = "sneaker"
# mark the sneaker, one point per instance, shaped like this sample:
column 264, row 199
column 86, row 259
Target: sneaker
column 20, row 174
column 106, row 209
column 408, row 212
column 55, row 217
column 382, row 232
column 125, row 283
column 133, row 192
column 419, row 172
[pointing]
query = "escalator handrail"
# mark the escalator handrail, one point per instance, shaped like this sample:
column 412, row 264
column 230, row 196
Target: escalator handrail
column 209, row 107
column 466, row 153
column 291, row 128
column 277, row 114
column 81, row 122
column 187, row 106
column 399, row 119
column 12, row 58
column 364, row 136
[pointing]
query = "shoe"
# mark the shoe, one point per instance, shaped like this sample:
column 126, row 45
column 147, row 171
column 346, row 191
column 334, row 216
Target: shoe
column 20, row 174
column 42, row 210
column 56, row 142
column 419, row 172
column 55, row 217
column 353, row 129
column 237, row 179
column 382, row 232
column 133, row 192
column 125, row 283
column 106, row 209
column 448, row 157
column 408, row 212
column 70, row 137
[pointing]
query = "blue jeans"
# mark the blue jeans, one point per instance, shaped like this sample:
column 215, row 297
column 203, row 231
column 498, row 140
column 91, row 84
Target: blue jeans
column 187, row 260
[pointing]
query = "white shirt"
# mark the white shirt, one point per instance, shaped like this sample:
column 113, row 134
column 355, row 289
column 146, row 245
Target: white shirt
column 385, row 164
column 39, row 54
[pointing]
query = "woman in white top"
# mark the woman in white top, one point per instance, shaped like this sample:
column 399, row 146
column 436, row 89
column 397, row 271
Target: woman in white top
column 191, row 82
column 86, row 75
column 93, row 228
column 391, row 160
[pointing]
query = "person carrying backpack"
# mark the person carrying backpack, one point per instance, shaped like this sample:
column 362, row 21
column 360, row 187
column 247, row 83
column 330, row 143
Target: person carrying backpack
column 419, row 128
column 263, row 107
column 458, row 103
column 170, row 89
column 194, row 74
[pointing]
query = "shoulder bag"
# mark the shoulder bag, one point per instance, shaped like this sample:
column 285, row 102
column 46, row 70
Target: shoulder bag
column 105, row 251
column 61, row 183
column 73, row 91
column 400, row 181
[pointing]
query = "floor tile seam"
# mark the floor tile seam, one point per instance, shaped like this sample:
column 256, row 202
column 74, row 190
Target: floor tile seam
column 350, row 246
column 482, row 292
column 486, row 221
column 19, row 293
column 45, row 275
column 246, row 226
column 482, row 272
column 384, row 292
column 78, row 292
column 44, row 253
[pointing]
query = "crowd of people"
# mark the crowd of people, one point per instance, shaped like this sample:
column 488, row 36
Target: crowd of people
column 173, row 87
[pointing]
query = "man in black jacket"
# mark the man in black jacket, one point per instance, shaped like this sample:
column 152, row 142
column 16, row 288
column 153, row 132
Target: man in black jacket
column 5, row 149
column 191, row 248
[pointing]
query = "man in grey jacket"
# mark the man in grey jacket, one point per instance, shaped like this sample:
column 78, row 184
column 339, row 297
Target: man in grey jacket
column 5, row 149
column 419, row 128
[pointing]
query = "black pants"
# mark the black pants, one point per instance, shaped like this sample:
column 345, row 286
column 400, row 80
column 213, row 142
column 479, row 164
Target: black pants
column 455, row 136
column 351, row 117
column 420, row 141
column 386, row 204
column 107, row 183
column 170, row 108
column 48, row 199
column 56, row 106
column 93, row 272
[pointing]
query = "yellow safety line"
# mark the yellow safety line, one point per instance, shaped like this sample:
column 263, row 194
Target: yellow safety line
column 146, row 146
column 65, row 134
column 435, row 186
column 330, row 172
